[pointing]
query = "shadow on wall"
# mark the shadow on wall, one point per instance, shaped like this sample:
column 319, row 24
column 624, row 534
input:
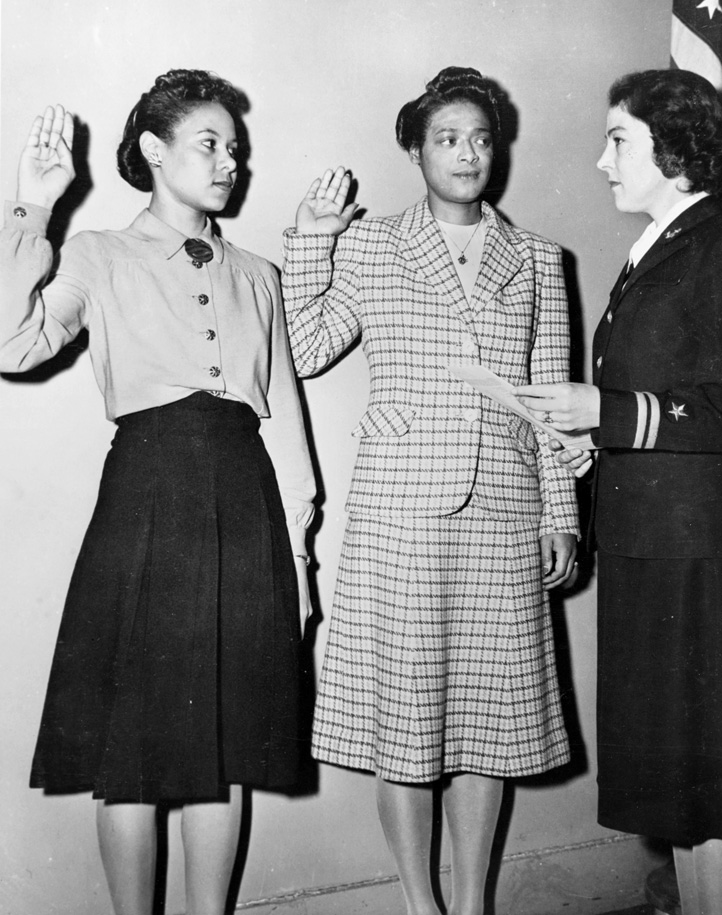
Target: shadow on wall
column 63, row 212
column 501, row 168
column 577, row 361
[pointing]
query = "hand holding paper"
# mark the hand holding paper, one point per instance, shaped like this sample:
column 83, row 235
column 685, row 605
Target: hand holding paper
column 566, row 406
column 545, row 398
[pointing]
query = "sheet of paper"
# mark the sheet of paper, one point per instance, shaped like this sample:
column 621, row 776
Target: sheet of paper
column 500, row 390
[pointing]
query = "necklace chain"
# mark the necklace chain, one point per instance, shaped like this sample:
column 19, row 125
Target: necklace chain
column 462, row 258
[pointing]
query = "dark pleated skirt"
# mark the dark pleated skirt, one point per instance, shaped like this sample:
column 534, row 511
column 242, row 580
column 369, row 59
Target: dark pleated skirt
column 176, row 668
column 660, row 697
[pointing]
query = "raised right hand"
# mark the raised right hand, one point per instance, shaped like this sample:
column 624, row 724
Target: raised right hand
column 323, row 210
column 46, row 163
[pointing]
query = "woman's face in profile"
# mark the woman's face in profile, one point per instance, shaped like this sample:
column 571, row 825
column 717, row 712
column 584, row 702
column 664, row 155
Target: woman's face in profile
column 456, row 155
column 637, row 184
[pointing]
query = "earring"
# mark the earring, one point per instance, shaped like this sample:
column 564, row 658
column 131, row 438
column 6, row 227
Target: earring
column 154, row 159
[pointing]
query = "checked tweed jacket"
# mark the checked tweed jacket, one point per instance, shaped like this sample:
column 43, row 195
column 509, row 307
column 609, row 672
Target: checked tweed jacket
column 427, row 439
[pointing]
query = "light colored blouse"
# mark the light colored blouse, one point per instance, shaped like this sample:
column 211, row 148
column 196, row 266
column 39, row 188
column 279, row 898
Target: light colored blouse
column 161, row 327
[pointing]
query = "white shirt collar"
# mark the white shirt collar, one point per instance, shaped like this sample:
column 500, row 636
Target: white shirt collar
column 170, row 240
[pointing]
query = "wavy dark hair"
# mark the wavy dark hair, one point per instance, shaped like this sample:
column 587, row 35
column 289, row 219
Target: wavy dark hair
column 173, row 96
column 453, row 84
column 684, row 116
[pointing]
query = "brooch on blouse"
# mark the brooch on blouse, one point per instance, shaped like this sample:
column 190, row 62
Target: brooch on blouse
column 200, row 251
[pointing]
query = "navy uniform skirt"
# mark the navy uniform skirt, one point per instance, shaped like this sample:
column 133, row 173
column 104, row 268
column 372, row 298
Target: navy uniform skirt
column 176, row 669
column 659, row 698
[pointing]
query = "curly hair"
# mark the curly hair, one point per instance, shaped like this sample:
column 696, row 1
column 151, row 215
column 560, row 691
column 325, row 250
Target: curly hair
column 173, row 96
column 452, row 84
column 684, row 116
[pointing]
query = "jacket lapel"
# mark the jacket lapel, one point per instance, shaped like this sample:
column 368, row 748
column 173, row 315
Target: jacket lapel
column 500, row 262
column 674, row 237
column 423, row 246
column 663, row 248
column 619, row 287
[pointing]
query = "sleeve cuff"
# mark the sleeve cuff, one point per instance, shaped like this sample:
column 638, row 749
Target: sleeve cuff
column 297, row 536
column 26, row 217
column 628, row 419
column 317, row 243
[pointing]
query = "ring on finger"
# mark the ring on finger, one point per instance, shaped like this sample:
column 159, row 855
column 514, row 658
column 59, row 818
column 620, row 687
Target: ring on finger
column 547, row 417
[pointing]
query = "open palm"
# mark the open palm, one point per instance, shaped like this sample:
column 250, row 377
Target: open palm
column 324, row 210
column 46, row 163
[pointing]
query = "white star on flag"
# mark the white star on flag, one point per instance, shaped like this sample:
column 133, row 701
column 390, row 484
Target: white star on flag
column 697, row 39
column 712, row 7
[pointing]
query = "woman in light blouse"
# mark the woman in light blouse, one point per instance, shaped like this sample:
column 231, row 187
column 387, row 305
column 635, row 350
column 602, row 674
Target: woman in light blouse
column 175, row 676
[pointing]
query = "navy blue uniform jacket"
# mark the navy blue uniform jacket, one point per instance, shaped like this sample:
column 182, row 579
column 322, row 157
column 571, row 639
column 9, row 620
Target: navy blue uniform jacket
column 658, row 362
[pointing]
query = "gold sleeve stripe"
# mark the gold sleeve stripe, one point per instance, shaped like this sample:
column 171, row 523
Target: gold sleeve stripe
column 655, row 413
column 648, row 413
column 642, row 415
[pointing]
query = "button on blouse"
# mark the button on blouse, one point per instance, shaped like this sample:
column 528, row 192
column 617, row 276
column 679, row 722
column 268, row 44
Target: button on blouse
column 148, row 310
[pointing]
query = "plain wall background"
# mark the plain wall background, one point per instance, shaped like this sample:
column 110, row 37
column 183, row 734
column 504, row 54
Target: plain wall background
column 325, row 79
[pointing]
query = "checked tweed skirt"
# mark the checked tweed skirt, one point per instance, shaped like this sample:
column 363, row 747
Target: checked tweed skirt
column 176, row 672
column 440, row 656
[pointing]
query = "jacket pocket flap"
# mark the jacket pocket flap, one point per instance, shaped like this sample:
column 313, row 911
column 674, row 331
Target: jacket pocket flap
column 522, row 433
column 387, row 420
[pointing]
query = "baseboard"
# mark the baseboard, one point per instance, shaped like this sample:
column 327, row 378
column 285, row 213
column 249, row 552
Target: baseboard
column 587, row 878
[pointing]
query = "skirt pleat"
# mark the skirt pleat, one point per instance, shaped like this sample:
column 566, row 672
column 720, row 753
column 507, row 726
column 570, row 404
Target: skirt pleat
column 176, row 668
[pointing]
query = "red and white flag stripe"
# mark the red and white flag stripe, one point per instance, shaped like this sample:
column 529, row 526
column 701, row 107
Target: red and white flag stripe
column 697, row 38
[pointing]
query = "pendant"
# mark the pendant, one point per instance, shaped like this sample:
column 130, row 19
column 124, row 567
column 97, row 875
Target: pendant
column 461, row 259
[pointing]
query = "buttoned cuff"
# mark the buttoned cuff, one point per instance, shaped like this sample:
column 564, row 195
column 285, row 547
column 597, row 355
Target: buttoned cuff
column 26, row 217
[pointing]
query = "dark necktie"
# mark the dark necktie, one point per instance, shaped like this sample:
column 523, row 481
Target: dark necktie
column 199, row 251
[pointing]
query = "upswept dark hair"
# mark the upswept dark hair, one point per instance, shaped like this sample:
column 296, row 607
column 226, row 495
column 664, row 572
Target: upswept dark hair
column 452, row 84
column 173, row 96
column 684, row 116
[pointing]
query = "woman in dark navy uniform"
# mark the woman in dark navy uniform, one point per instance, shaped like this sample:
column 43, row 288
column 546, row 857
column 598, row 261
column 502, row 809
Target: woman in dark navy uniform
column 655, row 411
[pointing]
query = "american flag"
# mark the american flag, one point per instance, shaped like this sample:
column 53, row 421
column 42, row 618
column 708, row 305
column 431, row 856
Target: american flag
column 697, row 38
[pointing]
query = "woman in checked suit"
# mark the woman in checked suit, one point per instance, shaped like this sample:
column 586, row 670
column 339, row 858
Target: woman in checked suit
column 655, row 411
column 440, row 667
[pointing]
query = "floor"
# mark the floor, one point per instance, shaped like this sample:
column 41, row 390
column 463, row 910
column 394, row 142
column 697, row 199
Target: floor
column 637, row 910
